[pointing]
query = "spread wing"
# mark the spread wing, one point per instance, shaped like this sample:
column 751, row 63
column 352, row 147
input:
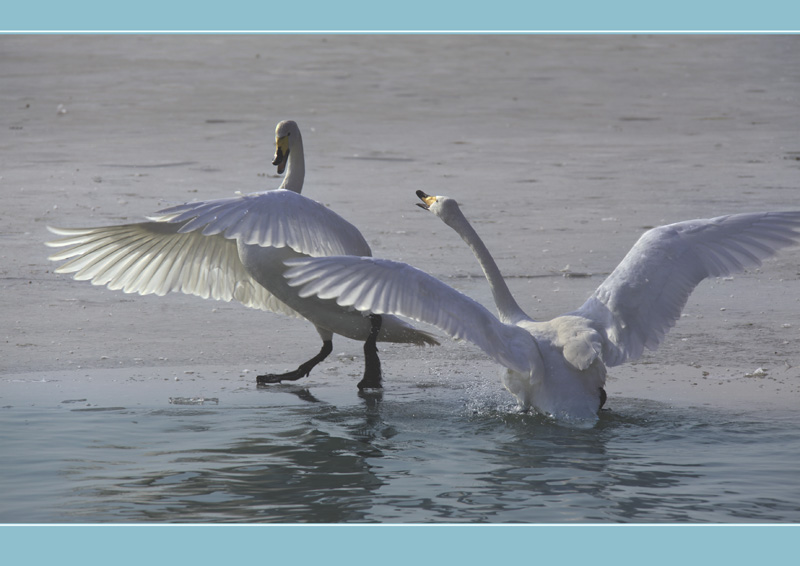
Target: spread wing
column 156, row 258
column 278, row 218
column 192, row 248
column 388, row 287
column 643, row 297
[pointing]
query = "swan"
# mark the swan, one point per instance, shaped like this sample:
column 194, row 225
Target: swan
column 557, row 367
column 235, row 248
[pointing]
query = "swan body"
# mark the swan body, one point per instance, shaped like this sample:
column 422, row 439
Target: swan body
column 558, row 367
column 234, row 249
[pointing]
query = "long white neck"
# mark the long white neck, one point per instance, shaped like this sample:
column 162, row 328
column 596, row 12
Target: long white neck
column 507, row 307
column 296, row 164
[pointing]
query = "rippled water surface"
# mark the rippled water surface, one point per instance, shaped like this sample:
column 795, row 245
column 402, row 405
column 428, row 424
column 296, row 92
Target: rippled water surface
column 440, row 454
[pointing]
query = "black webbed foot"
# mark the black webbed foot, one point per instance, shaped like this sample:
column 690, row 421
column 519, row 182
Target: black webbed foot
column 302, row 371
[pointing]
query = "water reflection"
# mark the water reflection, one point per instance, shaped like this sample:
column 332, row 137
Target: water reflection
column 648, row 463
column 315, row 478
column 294, row 473
column 420, row 455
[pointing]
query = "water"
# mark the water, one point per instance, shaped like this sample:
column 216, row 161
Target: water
column 451, row 453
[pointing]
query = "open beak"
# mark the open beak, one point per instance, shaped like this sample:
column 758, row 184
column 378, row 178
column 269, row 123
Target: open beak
column 281, row 154
column 427, row 200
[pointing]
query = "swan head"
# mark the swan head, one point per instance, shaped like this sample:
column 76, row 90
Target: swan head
column 286, row 133
column 445, row 208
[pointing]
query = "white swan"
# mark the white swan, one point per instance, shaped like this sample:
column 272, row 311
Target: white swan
column 235, row 248
column 558, row 367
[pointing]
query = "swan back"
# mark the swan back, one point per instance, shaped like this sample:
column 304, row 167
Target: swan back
column 567, row 380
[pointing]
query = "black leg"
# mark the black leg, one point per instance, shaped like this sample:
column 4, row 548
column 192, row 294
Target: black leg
column 302, row 371
column 603, row 397
column 372, row 364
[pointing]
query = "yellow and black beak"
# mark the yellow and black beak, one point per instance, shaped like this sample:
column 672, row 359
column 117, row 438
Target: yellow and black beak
column 281, row 153
column 427, row 200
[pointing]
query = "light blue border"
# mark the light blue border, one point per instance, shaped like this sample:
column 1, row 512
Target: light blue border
column 399, row 545
column 406, row 16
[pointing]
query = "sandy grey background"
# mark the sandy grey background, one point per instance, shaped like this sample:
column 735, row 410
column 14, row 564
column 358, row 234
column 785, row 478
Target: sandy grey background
column 561, row 149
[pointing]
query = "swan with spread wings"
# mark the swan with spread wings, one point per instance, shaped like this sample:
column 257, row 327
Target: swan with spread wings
column 558, row 367
column 235, row 249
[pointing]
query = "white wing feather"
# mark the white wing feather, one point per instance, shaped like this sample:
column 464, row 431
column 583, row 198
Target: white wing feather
column 278, row 218
column 643, row 297
column 191, row 248
column 156, row 258
column 386, row 287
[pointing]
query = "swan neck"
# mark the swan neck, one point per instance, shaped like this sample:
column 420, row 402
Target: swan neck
column 295, row 165
column 507, row 307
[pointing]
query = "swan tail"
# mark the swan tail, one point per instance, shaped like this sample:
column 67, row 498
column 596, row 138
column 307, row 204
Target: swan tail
column 419, row 338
